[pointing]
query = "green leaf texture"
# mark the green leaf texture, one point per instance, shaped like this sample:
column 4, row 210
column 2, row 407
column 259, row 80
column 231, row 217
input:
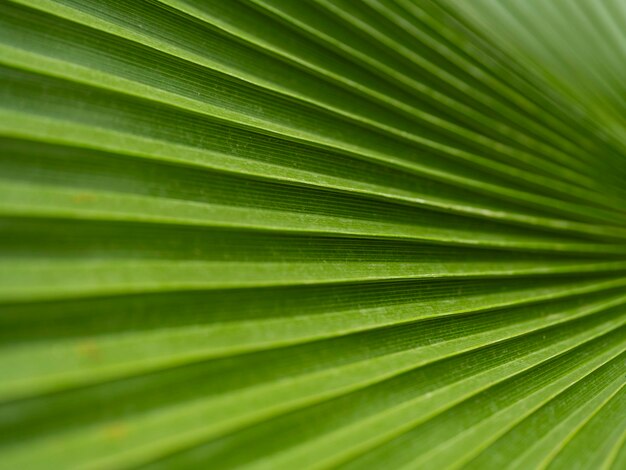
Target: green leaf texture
column 289, row 234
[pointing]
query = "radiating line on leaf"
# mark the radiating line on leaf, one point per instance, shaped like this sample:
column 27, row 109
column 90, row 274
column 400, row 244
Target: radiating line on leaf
column 549, row 426
column 123, row 354
column 336, row 443
column 202, row 160
column 313, row 234
column 228, row 111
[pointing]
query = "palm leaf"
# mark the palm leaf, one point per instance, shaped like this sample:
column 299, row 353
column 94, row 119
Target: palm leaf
column 312, row 234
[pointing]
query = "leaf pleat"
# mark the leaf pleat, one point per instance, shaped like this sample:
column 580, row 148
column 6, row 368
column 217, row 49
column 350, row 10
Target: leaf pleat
column 281, row 234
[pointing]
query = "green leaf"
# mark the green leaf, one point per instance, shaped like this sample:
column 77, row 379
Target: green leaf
column 281, row 234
